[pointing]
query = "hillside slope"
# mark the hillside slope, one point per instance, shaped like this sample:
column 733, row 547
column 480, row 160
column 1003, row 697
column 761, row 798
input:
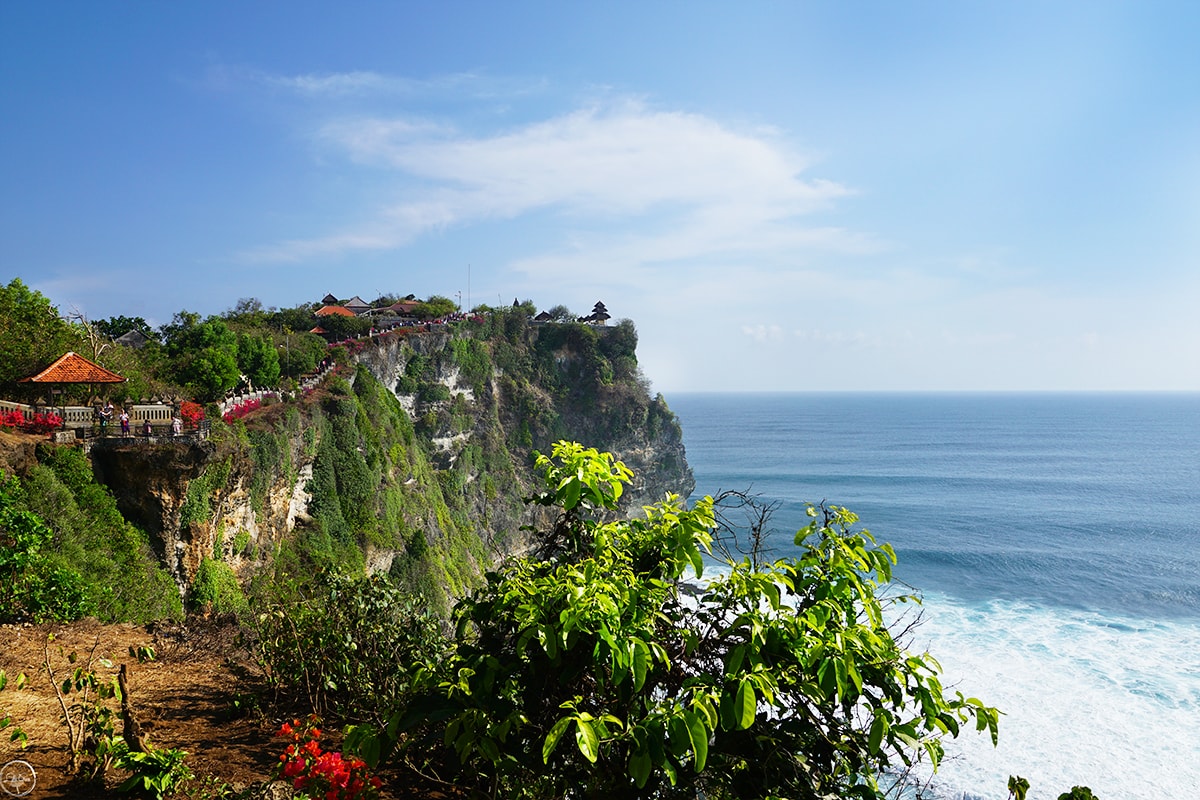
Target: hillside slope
column 412, row 458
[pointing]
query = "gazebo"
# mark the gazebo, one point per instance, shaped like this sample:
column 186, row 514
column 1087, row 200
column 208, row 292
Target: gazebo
column 71, row 369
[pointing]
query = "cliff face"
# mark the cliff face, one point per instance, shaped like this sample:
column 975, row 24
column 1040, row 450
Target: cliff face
column 544, row 386
column 149, row 482
column 415, row 460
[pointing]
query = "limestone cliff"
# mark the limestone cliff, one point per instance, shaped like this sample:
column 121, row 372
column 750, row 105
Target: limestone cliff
column 413, row 458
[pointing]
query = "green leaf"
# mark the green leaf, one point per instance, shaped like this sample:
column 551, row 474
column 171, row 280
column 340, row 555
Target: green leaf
column 586, row 738
column 680, row 737
column 879, row 729
column 745, row 706
column 668, row 767
column 734, row 660
column 698, row 734
column 552, row 738
column 641, row 664
column 639, row 768
column 488, row 746
column 571, row 492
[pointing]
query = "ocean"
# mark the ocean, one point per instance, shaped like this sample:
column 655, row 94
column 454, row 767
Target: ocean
column 1055, row 539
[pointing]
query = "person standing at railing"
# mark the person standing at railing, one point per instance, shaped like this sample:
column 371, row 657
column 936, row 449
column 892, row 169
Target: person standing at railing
column 105, row 417
column 124, row 423
column 176, row 425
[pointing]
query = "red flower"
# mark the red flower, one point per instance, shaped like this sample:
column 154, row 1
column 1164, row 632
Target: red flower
column 323, row 774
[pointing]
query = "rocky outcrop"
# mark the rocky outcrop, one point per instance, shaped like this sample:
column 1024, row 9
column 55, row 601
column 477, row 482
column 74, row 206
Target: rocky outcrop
column 619, row 417
column 149, row 480
column 450, row 478
column 18, row 452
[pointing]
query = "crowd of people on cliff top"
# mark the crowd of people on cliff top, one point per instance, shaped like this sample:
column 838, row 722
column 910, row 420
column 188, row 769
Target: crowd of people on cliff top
column 106, row 413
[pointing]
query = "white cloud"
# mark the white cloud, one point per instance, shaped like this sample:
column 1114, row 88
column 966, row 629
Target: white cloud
column 337, row 86
column 340, row 83
column 687, row 183
column 620, row 160
column 763, row 333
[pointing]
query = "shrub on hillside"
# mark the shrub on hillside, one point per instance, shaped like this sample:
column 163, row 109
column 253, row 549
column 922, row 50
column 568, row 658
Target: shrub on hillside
column 123, row 579
column 345, row 647
column 32, row 587
column 216, row 587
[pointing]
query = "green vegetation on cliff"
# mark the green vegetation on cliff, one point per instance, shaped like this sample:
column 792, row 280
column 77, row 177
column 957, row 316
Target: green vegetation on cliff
column 411, row 459
column 59, row 528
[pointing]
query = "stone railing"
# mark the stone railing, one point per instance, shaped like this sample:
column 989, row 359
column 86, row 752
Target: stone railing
column 8, row 405
column 306, row 383
column 86, row 416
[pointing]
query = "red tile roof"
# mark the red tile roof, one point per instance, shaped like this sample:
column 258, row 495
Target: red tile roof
column 72, row 368
column 341, row 311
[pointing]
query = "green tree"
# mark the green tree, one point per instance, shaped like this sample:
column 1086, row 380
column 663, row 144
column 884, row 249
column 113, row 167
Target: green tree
column 385, row 300
column 248, row 312
column 346, row 326
column 436, row 306
column 258, row 360
column 300, row 318
column 301, row 353
column 595, row 672
column 121, row 325
column 201, row 355
column 33, row 334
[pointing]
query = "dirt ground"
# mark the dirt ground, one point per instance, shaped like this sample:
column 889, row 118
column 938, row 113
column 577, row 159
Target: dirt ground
column 185, row 699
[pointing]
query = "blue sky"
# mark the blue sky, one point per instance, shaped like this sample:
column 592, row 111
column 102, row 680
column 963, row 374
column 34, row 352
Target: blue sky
column 782, row 196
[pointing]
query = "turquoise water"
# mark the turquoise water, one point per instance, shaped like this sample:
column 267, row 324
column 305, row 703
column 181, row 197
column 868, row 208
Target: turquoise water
column 1055, row 538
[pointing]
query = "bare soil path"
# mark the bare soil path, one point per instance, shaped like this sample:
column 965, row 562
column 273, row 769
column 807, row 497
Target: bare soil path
column 184, row 699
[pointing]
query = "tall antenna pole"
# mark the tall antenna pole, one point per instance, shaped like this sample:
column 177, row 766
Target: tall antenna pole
column 468, row 287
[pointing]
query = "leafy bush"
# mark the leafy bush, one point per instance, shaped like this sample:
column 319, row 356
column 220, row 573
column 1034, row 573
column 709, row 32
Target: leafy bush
column 592, row 673
column 217, row 586
column 471, row 356
column 156, row 772
column 346, row 647
column 197, row 504
column 433, row 392
column 32, row 587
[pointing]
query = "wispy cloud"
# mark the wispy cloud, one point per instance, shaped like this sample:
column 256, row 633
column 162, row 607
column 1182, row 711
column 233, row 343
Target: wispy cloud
column 366, row 83
column 683, row 177
column 763, row 333
column 340, row 83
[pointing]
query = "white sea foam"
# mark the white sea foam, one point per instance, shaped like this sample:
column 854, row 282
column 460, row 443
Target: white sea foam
column 1110, row 703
